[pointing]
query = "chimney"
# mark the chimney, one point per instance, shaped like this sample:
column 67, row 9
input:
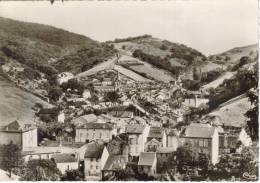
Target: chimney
column 195, row 100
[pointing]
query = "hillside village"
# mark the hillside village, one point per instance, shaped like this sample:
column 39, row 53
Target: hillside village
column 128, row 117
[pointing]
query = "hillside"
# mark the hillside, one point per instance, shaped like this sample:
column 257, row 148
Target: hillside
column 39, row 46
column 160, row 59
column 233, row 56
column 16, row 104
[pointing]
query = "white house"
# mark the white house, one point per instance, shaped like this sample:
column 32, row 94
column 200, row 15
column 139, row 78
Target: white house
column 94, row 131
column 95, row 158
column 24, row 135
column 64, row 77
column 66, row 162
column 137, row 135
column 86, row 94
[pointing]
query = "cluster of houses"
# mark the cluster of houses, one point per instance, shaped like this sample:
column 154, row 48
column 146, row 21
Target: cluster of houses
column 115, row 135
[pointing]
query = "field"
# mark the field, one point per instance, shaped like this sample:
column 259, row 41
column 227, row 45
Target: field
column 218, row 81
column 16, row 104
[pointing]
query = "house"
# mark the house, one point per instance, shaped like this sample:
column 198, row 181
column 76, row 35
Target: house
column 147, row 163
column 172, row 139
column 66, row 162
column 121, row 114
column 89, row 118
column 104, row 89
column 152, row 145
column 94, row 131
column 86, row 94
column 204, row 139
column 106, row 82
column 24, row 135
column 51, row 115
column 157, row 133
column 64, row 77
column 137, row 137
column 95, row 158
column 44, row 152
column 229, row 141
column 195, row 102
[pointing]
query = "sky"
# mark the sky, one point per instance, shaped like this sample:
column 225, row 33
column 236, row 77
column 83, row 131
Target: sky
column 210, row 26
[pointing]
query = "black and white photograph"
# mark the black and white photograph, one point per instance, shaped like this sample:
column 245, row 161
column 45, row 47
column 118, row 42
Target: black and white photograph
column 155, row 90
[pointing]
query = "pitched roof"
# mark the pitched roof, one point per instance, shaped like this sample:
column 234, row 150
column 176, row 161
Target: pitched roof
column 155, row 132
column 172, row 132
column 199, row 131
column 135, row 128
column 64, row 158
column 96, row 126
column 121, row 114
column 94, row 150
column 85, row 119
column 164, row 150
column 17, row 126
column 147, row 158
column 115, row 162
column 54, row 110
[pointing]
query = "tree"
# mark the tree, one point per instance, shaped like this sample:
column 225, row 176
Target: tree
column 112, row 96
column 11, row 157
column 41, row 170
column 55, row 93
column 72, row 175
column 252, row 114
column 184, row 156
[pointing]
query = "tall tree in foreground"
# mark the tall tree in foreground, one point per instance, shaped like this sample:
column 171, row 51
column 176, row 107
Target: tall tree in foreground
column 11, row 157
column 252, row 114
column 41, row 170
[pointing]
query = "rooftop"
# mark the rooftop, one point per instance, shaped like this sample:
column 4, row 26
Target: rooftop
column 155, row 132
column 135, row 128
column 147, row 158
column 64, row 158
column 199, row 131
column 94, row 150
column 92, row 125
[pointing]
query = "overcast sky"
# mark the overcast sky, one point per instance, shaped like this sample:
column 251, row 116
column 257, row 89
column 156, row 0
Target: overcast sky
column 211, row 26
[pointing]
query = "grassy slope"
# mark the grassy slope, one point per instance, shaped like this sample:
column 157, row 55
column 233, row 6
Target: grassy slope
column 16, row 104
column 236, row 53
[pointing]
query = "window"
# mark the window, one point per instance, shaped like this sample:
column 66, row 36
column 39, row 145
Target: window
column 91, row 159
column 97, row 167
column 93, row 135
column 100, row 135
column 30, row 157
column 91, row 166
column 136, row 149
column 201, row 143
column 68, row 167
column 206, row 143
column 131, row 140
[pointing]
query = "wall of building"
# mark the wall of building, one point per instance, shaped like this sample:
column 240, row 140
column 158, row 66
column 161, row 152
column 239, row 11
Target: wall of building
column 7, row 136
column 215, row 147
column 92, row 166
column 104, row 157
column 67, row 166
column 30, row 138
column 172, row 141
column 93, row 134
